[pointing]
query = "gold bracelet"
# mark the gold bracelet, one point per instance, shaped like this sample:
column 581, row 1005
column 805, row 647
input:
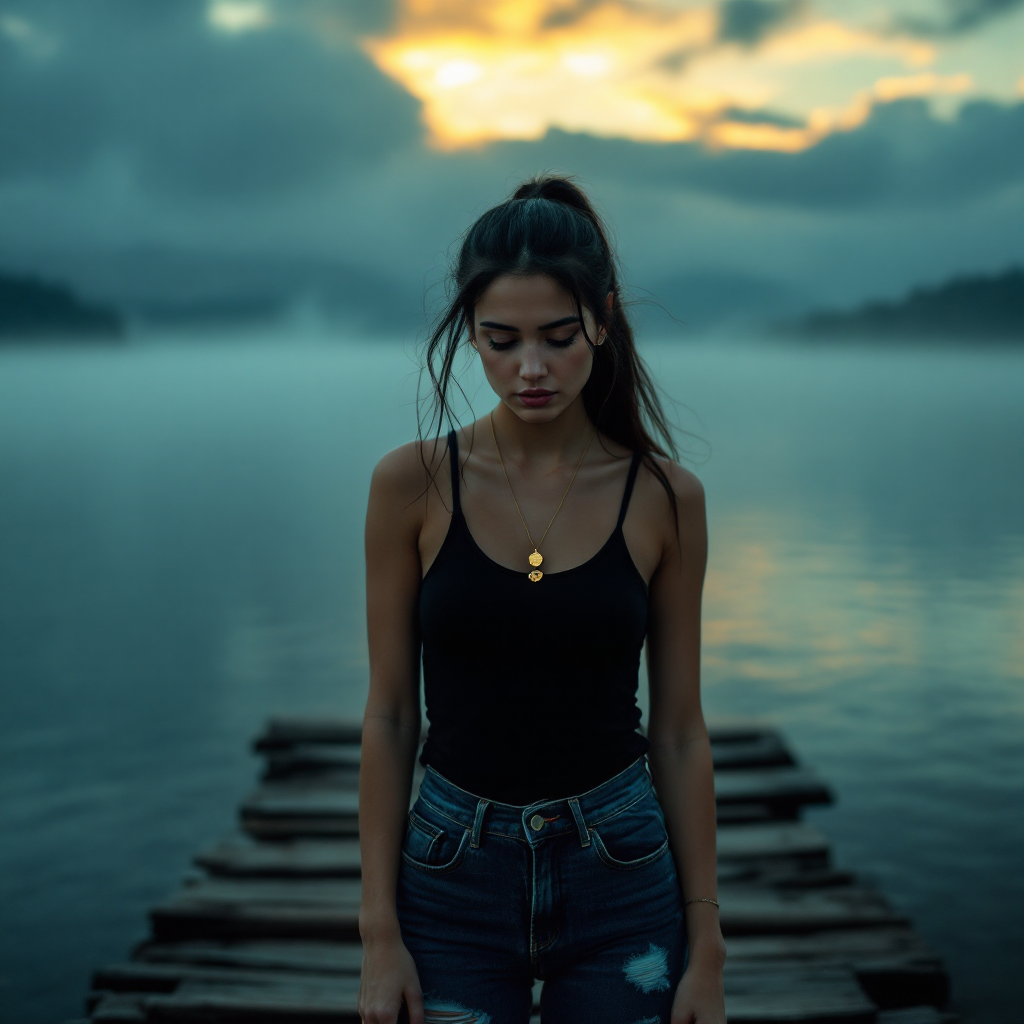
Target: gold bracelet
column 700, row 899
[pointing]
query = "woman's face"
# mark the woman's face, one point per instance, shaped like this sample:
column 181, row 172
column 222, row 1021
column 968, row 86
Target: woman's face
column 531, row 344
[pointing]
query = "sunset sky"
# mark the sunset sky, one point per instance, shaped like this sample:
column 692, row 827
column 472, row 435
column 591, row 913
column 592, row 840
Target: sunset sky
column 753, row 155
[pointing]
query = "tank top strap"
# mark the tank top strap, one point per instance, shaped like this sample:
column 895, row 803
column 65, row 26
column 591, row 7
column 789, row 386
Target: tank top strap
column 453, row 458
column 634, row 466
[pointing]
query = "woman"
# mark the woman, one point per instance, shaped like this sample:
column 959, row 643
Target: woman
column 526, row 558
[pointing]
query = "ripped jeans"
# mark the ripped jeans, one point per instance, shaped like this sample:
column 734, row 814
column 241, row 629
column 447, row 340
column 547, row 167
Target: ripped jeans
column 580, row 892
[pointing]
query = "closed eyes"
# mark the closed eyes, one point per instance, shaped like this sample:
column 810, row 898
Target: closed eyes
column 504, row 346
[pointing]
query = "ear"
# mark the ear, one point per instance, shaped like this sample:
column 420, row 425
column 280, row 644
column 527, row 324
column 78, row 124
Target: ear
column 609, row 305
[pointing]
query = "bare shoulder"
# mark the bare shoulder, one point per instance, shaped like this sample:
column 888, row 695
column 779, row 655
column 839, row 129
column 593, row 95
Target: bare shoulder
column 687, row 488
column 408, row 468
column 406, row 473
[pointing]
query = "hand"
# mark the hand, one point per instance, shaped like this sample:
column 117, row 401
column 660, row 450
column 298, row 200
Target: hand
column 700, row 998
column 388, row 978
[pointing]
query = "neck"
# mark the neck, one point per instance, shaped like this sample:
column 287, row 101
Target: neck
column 558, row 440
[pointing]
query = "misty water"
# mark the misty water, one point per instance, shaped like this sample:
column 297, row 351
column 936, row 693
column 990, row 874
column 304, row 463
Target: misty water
column 181, row 555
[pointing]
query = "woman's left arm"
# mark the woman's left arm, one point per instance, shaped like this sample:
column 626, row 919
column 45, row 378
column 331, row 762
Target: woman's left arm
column 680, row 754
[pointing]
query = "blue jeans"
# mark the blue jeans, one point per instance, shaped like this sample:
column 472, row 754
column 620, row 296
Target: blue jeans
column 580, row 892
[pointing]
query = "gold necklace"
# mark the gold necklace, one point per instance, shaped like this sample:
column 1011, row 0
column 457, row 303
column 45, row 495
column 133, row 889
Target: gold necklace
column 536, row 559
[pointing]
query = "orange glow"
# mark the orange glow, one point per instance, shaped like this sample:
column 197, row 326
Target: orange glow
column 653, row 72
column 889, row 89
column 830, row 39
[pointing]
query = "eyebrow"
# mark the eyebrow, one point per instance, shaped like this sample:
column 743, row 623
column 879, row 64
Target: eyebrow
column 543, row 327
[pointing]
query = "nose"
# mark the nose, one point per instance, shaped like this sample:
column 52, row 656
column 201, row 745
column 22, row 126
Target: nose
column 533, row 368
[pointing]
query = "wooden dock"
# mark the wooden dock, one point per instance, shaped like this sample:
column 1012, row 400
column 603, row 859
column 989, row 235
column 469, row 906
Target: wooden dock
column 266, row 931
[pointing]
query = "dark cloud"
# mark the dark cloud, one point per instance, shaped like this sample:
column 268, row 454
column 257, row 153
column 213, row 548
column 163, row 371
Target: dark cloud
column 961, row 16
column 749, row 21
column 903, row 155
column 187, row 172
column 190, row 109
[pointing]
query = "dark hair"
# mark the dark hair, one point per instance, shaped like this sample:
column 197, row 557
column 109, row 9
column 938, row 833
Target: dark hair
column 549, row 226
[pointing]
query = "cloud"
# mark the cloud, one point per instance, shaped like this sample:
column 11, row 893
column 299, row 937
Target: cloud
column 961, row 16
column 658, row 71
column 191, row 104
column 175, row 154
column 749, row 21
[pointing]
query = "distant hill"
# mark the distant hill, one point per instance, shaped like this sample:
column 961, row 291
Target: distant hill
column 990, row 308
column 31, row 308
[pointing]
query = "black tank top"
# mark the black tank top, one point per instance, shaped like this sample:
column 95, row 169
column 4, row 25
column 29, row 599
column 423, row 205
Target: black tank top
column 531, row 687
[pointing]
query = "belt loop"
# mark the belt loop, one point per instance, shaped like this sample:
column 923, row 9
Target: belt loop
column 478, row 823
column 574, row 806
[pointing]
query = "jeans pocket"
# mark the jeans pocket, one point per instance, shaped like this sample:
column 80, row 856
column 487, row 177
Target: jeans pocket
column 632, row 838
column 432, row 848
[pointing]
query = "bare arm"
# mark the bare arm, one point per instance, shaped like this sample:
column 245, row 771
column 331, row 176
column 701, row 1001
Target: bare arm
column 391, row 729
column 680, row 753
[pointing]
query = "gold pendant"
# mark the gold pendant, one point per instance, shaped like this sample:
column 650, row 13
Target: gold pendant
column 536, row 576
column 536, row 558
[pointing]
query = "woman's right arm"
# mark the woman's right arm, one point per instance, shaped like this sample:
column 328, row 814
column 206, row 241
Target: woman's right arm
column 391, row 728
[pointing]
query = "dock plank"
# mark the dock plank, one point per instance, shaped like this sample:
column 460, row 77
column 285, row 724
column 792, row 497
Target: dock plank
column 753, row 910
column 143, row 977
column 258, row 954
column 300, row 1002
column 762, row 751
column 242, row 856
column 795, row 994
column 893, row 965
column 312, row 758
column 118, row 1008
column 286, row 730
column 260, row 908
column 783, row 787
column 282, row 810
column 777, row 840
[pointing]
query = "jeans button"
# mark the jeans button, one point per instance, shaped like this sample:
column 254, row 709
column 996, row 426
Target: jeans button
column 536, row 823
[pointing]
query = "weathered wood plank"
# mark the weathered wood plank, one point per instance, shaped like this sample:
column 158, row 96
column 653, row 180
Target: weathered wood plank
column 762, row 751
column 750, row 910
column 313, row 758
column 738, row 729
column 118, row 1008
column 241, row 856
column 140, row 976
column 258, row 954
column 893, row 965
column 299, row 1003
column 287, row 730
column 794, row 994
column 916, row 1015
column 752, row 813
column 237, row 908
column 282, row 810
column 787, row 787
column 777, row 840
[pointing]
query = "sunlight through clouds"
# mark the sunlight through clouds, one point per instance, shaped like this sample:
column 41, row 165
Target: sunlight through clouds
column 237, row 15
column 659, row 71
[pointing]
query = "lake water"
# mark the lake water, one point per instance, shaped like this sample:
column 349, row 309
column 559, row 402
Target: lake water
column 181, row 554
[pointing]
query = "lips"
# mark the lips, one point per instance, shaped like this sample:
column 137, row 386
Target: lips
column 534, row 398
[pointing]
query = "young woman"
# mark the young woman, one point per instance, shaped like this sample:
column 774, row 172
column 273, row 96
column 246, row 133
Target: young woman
column 526, row 559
